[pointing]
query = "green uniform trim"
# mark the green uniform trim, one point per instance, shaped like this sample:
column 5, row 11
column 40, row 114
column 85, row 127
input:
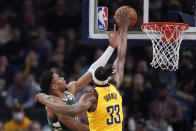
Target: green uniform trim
column 55, row 124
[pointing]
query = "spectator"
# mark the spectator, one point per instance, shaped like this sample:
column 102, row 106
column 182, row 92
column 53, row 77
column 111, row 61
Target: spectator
column 141, row 125
column 33, row 46
column 164, row 111
column 187, row 67
column 43, row 41
column 142, row 67
column 57, row 60
column 194, row 126
column 167, row 77
column 6, row 70
column 56, row 20
column 137, row 99
column 129, row 65
column 2, row 92
column 62, row 45
column 3, row 66
column 125, row 118
column 13, row 48
column 136, row 109
column 5, row 28
column 31, row 62
column 186, row 98
column 148, row 54
column 149, row 74
column 21, row 91
column 31, row 81
column 34, row 126
column 19, row 120
column 29, row 18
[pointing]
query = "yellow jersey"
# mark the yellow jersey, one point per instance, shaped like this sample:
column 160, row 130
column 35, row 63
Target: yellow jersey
column 108, row 115
column 13, row 126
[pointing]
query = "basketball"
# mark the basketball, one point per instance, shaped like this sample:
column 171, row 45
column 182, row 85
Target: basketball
column 131, row 12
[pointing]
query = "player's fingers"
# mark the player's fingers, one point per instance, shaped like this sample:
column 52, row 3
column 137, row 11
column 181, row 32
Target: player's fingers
column 124, row 13
column 128, row 14
column 121, row 13
column 108, row 33
column 114, row 28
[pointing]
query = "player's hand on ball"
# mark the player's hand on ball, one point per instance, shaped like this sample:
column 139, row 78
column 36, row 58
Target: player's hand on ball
column 114, row 40
column 123, row 22
column 41, row 97
column 125, row 17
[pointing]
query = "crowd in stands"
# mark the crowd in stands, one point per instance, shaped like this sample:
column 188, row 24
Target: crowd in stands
column 40, row 35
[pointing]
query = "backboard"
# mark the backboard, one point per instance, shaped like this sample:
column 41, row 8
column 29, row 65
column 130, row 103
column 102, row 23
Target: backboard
column 180, row 11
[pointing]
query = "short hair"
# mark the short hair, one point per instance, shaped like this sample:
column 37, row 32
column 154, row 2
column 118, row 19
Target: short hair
column 45, row 81
column 102, row 73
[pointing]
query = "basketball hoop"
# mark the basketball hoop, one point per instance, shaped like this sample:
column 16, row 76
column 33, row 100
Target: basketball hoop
column 166, row 38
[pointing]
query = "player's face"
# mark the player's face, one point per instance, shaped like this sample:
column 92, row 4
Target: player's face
column 60, row 82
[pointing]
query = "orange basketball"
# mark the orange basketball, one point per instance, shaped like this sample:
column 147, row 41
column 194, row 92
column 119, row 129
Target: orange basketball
column 131, row 12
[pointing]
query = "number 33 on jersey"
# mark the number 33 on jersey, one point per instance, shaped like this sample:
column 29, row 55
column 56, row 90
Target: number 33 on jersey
column 108, row 115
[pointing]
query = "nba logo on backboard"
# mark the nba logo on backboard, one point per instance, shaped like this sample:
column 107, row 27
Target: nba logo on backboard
column 102, row 18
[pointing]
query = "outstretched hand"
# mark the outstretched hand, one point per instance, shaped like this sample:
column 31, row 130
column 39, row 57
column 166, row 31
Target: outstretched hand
column 114, row 40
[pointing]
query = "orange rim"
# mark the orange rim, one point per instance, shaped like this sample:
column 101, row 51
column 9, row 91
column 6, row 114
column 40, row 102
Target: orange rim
column 163, row 25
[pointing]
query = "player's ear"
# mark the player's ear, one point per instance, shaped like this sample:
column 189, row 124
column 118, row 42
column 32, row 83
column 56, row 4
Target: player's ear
column 54, row 86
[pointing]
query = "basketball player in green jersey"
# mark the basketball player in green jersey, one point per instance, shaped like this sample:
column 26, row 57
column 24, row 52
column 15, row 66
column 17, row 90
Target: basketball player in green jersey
column 54, row 85
column 58, row 122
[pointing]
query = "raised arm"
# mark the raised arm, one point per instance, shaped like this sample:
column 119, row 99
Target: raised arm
column 85, row 103
column 84, row 80
column 117, row 78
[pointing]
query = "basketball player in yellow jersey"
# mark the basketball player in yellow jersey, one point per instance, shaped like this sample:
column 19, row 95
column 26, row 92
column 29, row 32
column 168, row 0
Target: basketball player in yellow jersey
column 103, row 104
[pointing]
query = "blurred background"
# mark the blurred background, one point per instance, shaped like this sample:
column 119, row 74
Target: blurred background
column 39, row 35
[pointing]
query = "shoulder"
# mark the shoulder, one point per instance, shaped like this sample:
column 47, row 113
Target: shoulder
column 113, row 85
column 89, row 96
column 72, row 84
column 71, row 87
column 8, row 124
column 27, row 120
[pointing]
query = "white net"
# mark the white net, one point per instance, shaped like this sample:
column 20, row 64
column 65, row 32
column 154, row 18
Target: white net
column 166, row 40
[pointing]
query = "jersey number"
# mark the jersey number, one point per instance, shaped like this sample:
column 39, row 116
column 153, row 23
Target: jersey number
column 112, row 119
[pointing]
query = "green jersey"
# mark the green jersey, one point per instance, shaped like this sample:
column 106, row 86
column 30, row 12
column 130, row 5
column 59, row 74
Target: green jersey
column 55, row 124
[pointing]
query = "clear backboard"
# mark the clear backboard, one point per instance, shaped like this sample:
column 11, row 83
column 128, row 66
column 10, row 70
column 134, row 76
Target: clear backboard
column 180, row 11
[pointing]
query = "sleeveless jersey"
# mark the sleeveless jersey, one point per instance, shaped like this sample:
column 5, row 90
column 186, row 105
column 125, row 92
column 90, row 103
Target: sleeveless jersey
column 108, row 115
column 55, row 124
